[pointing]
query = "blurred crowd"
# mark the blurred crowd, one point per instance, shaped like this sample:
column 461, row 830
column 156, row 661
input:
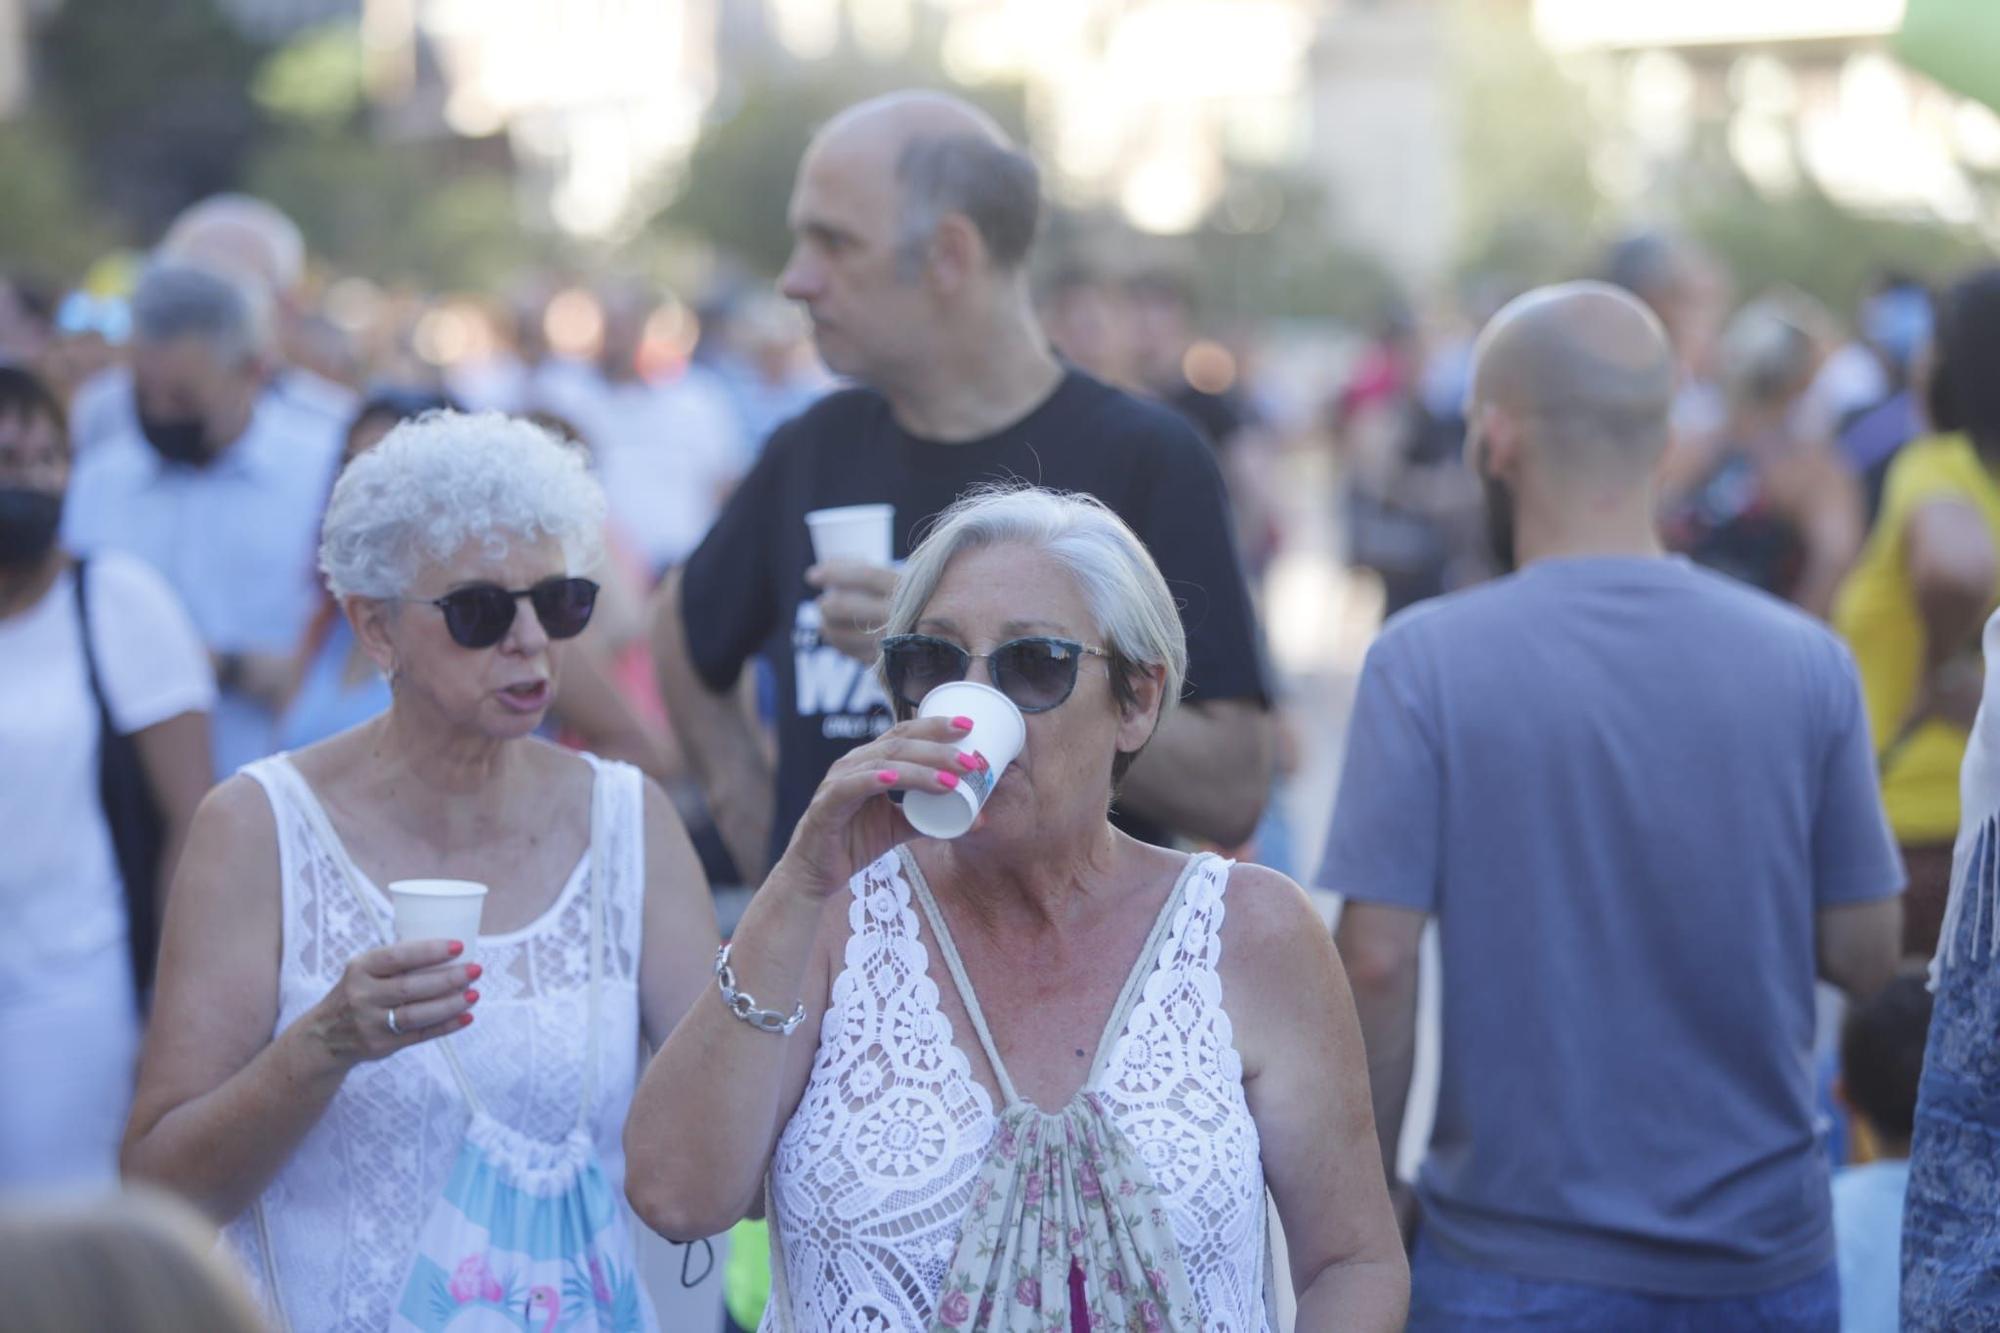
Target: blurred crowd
column 177, row 422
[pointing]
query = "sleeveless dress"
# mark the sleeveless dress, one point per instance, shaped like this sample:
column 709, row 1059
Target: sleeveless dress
column 342, row 1217
column 892, row 1146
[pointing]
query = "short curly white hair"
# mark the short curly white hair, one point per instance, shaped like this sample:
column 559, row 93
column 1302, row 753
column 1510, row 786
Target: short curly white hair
column 441, row 480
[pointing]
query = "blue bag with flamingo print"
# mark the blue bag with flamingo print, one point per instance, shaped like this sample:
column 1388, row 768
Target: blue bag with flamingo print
column 528, row 1236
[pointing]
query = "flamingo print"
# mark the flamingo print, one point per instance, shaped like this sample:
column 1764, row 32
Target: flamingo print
column 542, row 1300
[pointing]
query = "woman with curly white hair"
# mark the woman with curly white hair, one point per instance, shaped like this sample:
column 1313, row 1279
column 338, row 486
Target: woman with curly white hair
column 383, row 1160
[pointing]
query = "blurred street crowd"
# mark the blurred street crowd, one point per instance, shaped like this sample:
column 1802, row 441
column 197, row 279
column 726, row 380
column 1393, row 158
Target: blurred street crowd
column 177, row 423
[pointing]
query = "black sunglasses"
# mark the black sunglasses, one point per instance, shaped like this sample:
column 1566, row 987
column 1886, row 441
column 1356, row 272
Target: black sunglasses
column 1036, row 673
column 479, row 616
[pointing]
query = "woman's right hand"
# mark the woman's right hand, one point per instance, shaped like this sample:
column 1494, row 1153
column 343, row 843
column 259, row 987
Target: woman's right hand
column 428, row 1000
column 851, row 822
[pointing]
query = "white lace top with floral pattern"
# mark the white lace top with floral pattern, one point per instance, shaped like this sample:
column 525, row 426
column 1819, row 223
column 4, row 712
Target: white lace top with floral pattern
column 344, row 1212
column 873, row 1175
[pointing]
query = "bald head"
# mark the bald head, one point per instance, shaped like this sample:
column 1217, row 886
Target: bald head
column 888, row 123
column 243, row 236
column 945, row 156
column 1586, row 370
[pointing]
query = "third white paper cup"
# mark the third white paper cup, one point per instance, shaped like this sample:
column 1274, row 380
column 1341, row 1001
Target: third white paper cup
column 854, row 532
column 998, row 733
column 438, row 909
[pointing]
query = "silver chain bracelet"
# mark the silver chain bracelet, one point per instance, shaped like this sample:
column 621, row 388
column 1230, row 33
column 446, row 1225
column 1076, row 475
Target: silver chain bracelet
column 744, row 1006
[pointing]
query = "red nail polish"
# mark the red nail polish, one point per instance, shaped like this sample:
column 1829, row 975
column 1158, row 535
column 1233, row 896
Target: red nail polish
column 455, row 948
column 962, row 723
column 886, row 776
column 947, row 780
column 472, row 997
column 472, row 971
column 465, row 1020
column 968, row 762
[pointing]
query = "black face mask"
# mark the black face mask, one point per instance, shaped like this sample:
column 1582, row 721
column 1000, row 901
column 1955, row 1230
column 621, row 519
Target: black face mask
column 177, row 439
column 28, row 523
column 1499, row 498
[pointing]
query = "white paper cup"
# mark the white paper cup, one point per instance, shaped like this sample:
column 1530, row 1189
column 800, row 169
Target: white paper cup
column 438, row 909
column 854, row 532
column 998, row 732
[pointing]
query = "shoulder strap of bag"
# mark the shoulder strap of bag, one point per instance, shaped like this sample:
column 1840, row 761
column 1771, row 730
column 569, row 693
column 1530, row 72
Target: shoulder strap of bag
column 142, row 936
column 780, row 1297
column 274, row 1296
column 80, row 570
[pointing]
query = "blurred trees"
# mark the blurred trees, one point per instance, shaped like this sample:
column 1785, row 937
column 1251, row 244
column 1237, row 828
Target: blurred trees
column 1529, row 207
column 438, row 213
column 1808, row 241
column 48, row 225
column 1264, row 249
column 397, row 212
column 151, row 98
column 143, row 106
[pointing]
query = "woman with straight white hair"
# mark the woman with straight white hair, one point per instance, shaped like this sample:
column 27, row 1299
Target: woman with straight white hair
column 384, row 1161
column 1051, row 1069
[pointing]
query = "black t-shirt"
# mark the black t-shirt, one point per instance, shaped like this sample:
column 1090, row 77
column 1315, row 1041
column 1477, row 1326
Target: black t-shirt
column 744, row 590
column 1221, row 416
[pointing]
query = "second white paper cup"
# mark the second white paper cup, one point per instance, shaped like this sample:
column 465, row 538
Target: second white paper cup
column 438, row 909
column 998, row 732
column 854, row 532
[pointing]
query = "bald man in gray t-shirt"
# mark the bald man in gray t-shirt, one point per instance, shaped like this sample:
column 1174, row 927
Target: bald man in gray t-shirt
column 1641, row 804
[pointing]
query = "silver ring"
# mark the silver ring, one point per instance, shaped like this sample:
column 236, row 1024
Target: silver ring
column 392, row 1023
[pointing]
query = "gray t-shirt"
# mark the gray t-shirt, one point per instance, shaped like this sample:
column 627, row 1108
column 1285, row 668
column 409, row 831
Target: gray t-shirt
column 1624, row 786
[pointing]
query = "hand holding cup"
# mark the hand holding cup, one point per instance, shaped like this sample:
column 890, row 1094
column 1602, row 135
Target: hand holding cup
column 418, row 981
column 853, row 605
column 853, row 551
column 851, row 823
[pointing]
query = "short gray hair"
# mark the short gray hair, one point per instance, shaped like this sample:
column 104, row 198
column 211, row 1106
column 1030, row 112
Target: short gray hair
column 175, row 300
column 446, row 478
column 995, row 186
column 1126, row 593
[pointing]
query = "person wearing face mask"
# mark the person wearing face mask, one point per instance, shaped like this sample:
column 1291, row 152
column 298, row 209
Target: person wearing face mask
column 81, row 646
column 257, row 245
column 218, row 487
column 1640, row 801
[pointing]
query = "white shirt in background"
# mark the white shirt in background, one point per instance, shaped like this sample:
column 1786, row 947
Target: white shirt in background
column 1868, row 1239
column 236, row 540
column 68, row 1027
column 668, row 453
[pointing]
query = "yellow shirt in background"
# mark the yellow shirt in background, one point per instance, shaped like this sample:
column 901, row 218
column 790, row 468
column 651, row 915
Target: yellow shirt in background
column 1876, row 613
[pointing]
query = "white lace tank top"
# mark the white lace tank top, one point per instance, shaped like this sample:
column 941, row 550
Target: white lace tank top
column 343, row 1214
column 872, row 1177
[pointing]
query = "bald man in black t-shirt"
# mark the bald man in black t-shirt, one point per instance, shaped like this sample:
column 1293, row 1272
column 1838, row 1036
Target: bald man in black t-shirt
column 914, row 216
